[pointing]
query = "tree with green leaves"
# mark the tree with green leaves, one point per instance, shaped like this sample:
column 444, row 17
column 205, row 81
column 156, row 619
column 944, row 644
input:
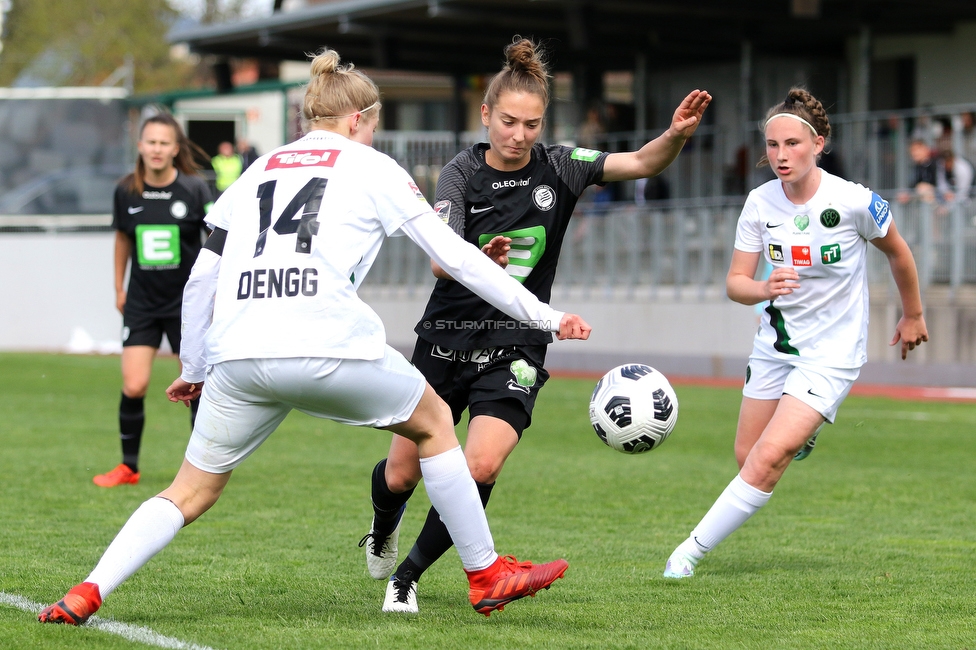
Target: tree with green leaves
column 70, row 43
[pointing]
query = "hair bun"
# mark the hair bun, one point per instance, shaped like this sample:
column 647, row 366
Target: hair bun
column 325, row 63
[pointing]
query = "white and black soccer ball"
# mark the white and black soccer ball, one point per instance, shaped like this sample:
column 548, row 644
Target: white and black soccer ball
column 633, row 408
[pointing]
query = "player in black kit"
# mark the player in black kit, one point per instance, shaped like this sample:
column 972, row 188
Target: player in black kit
column 158, row 219
column 513, row 197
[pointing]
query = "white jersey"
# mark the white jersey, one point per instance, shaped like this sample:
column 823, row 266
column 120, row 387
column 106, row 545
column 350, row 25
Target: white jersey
column 825, row 321
column 301, row 228
column 302, row 223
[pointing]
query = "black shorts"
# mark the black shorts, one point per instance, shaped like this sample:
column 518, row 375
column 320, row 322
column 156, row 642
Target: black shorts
column 502, row 382
column 140, row 329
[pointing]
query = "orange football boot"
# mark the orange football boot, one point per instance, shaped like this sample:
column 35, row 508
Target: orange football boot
column 507, row 580
column 121, row 475
column 79, row 603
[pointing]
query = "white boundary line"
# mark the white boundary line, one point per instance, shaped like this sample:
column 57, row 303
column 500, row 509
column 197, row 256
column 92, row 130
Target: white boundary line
column 124, row 630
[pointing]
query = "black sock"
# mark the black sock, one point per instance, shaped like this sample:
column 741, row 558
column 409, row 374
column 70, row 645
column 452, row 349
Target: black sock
column 433, row 541
column 132, row 418
column 386, row 504
column 194, row 407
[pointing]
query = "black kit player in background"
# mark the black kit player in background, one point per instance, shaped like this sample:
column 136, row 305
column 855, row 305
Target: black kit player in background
column 513, row 197
column 158, row 220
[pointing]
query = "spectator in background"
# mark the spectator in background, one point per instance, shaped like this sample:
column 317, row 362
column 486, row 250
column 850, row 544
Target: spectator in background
column 953, row 178
column 968, row 123
column 247, row 152
column 923, row 174
column 655, row 188
column 227, row 165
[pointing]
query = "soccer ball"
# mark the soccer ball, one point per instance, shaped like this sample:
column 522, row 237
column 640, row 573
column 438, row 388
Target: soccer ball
column 633, row 408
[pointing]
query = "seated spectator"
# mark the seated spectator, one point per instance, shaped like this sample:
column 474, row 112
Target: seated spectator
column 923, row 174
column 953, row 178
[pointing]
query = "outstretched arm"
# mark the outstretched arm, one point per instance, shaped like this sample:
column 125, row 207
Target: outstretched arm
column 911, row 329
column 655, row 156
column 477, row 272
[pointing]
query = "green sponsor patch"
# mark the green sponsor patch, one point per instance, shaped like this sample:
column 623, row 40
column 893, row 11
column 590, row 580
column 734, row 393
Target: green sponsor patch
column 528, row 245
column 525, row 374
column 158, row 245
column 586, row 155
column 830, row 254
column 801, row 221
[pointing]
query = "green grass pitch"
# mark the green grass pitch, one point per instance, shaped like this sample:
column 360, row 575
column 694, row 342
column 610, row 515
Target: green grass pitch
column 870, row 543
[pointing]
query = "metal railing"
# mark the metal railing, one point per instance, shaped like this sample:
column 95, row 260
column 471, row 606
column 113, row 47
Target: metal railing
column 686, row 244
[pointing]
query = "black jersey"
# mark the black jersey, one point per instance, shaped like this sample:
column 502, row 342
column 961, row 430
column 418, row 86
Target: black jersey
column 164, row 226
column 532, row 206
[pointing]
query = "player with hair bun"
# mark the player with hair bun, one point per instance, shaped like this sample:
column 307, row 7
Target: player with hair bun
column 157, row 214
column 813, row 229
column 513, row 197
column 271, row 309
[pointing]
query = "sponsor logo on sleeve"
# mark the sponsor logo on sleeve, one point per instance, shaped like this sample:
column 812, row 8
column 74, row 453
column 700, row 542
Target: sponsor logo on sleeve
column 830, row 218
column 313, row 158
column 585, row 155
column 776, row 253
column 416, row 191
column 878, row 209
column 830, row 254
column 443, row 210
column 801, row 256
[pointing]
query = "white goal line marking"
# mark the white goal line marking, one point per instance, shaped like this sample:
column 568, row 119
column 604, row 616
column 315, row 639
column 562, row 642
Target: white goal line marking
column 129, row 632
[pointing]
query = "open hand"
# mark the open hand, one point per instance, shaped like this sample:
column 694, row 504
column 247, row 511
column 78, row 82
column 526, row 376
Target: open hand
column 688, row 115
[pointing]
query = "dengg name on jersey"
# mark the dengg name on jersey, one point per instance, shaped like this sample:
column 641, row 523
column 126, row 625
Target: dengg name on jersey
column 277, row 283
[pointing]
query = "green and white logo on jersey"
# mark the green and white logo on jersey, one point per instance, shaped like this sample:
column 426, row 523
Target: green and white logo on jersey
column 801, row 221
column 830, row 254
column 586, row 155
column 525, row 375
column 158, row 245
column 528, row 245
column 830, row 218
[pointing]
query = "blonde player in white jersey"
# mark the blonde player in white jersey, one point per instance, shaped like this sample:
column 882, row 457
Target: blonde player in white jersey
column 813, row 229
column 271, row 309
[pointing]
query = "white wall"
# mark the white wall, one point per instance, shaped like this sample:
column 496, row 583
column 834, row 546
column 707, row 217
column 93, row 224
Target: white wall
column 261, row 114
column 58, row 294
column 55, row 287
column 64, row 283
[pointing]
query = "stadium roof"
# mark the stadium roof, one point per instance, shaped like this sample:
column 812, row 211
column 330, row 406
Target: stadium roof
column 464, row 36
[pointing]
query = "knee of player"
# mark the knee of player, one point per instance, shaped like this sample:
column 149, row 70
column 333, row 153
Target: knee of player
column 401, row 479
column 135, row 389
column 485, row 469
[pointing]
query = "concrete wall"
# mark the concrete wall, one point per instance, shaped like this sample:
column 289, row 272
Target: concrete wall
column 58, row 295
column 944, row 73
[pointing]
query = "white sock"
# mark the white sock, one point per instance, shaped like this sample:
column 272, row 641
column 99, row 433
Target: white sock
column 150, row 528
column 733, row 508
column 453, row 493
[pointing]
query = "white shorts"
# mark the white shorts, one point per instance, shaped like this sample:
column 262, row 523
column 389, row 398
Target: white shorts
column 244, row 401
column 822, row 389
